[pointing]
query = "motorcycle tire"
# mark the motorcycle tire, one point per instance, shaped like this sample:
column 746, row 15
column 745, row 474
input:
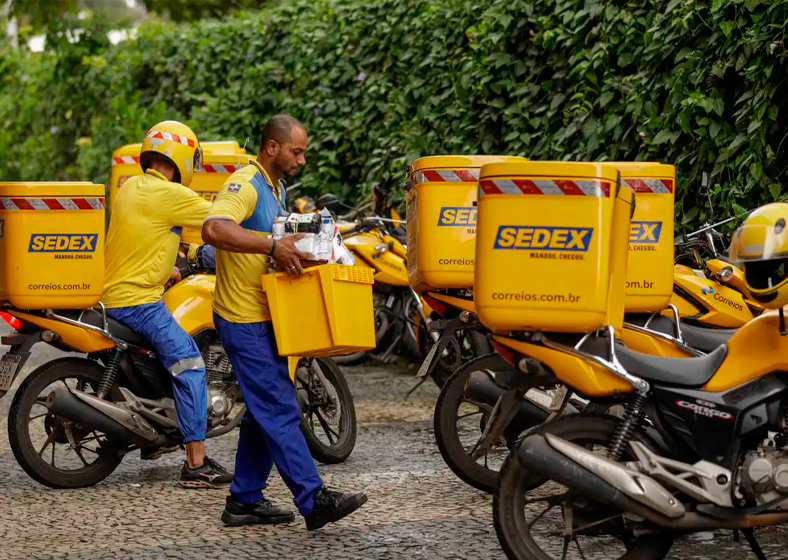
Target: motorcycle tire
column 28, row 457
column 509, row 499
column 445, row 425
column 333, row 452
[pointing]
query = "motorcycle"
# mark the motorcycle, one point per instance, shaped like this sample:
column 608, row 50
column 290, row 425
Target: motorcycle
column 93, row 410
column 700, row 446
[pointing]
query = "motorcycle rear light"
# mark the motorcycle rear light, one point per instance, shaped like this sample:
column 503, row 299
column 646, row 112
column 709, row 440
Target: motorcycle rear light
column 437, row 306
column 11, row 321
column 504, row 352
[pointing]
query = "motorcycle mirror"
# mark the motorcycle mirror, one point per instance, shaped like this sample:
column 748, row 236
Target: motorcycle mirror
column 382, row 247
column 330, row 202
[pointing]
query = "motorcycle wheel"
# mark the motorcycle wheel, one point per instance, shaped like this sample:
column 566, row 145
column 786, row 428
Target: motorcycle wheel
column 453, row 407
column 74, row 470
column 512, row 507
column 329, row 402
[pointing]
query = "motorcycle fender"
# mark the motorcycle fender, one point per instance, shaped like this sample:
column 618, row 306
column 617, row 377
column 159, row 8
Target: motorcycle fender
column 191, row 302
column 737, row 280
column 459, row 303
column 757, row 349
column 586, row 377
column 79, row 338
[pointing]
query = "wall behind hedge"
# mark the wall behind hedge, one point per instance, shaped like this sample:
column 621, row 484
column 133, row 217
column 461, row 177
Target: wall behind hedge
column 381, row 82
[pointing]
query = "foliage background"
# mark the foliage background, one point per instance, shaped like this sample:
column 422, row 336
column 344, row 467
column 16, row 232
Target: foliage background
column 381, row 82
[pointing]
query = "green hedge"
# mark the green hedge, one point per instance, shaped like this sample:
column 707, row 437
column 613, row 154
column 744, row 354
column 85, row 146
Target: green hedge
column 381, row 82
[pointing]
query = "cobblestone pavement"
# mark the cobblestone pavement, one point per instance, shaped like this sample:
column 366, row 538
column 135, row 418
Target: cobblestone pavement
column 416, row 508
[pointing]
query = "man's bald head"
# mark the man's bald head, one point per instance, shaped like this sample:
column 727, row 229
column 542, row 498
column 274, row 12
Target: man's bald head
column 279, row 128
column 282, row 146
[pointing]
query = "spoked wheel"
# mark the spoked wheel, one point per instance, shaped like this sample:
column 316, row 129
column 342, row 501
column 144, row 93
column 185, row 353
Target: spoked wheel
column 553, row 523
column 53, row 451
column 328, row 415
column 459, row 423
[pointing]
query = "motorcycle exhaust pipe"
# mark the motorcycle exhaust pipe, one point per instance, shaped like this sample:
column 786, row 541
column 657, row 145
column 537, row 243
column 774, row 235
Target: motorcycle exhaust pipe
column 105, row 417
column 607, row 482
column 482, row 388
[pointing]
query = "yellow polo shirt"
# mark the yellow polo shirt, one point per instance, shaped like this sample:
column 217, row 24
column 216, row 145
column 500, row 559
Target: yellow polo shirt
column 250, row 199
column 148, row 215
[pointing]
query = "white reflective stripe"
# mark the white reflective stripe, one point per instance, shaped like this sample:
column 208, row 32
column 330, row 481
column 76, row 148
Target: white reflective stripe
column 186, row 364
column 448, row 175
column 217, row 168
column 547, row 186
column 95, row 203
column 507, row 186
column 68, row 204
column 474, row 172
column 8, row 203
column 656, row 185
column 37, row 204
column 590, row 188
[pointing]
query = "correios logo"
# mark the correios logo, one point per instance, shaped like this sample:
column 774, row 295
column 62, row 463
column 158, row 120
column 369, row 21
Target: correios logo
column 644, row 232
column 459, row 216
column 540, row 238
column 63, row 243
column 210, row 196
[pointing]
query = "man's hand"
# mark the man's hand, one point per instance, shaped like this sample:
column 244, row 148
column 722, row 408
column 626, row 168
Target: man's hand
column 176, row 275
column 288, row 257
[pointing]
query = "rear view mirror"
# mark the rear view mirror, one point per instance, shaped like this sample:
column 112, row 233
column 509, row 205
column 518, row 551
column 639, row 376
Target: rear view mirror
column 330, row 202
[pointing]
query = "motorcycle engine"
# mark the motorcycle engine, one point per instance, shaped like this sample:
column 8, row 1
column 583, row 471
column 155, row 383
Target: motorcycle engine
column 764, row 474
column 222, row 387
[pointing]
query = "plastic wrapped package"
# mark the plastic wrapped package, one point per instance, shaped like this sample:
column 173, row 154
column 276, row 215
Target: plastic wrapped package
column 321, row 236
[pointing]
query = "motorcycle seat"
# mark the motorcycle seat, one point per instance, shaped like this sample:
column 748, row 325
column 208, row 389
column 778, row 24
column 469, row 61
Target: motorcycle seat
column 116, row 328
column 684, row 372
column 704, row 339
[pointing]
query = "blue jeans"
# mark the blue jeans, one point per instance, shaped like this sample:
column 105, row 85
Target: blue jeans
column 180, row 355
column 270, row 430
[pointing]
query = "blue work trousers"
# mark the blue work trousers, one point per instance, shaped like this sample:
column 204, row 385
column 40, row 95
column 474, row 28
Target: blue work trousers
column 180, row 355
column 270, row 431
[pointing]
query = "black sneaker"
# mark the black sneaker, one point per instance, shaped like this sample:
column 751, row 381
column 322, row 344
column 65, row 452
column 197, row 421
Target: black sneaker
column 210, row 475
column 331, row 506
column 263, row 512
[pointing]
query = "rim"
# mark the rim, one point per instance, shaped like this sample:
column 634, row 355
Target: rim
column 324, row 412
column 558, row 524
column 62, row 445
column 470, row 419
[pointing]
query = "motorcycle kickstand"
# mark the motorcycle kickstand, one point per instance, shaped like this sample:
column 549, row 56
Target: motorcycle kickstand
column 756, row 548
column 502, row 413
column 386, row 356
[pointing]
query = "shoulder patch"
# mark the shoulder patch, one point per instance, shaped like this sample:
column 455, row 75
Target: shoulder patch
column 234, row 187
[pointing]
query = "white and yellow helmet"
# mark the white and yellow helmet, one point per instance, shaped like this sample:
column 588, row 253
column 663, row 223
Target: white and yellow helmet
column 177, row 143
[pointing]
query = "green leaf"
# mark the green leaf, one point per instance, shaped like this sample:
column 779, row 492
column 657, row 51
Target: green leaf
column 662, row 137
column 605, row 98
column 727, row 27
column 714, row 129
column 774, row 190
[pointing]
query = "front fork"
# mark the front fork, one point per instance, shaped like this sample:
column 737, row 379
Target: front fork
column 420, row 307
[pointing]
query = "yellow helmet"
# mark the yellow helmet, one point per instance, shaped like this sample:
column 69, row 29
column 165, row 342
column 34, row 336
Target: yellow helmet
column 176, row 143
column 761, row 246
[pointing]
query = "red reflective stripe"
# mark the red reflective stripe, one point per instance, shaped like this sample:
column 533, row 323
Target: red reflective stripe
column 53, row 203
column 638, row 185
column 527, row 186
column 82, row 204
column 433, row 176
column 488, row 187
column 465, row 175
column 569, row 187
column 22, row 204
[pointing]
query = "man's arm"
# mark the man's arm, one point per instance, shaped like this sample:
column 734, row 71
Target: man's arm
column 186, row 208
column 227, row 235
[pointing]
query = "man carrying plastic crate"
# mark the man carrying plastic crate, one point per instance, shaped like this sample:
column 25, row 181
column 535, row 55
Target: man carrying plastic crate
column 142, row 243
column 238, row 226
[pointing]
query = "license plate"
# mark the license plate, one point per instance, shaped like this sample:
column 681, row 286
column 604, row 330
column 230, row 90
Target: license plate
column 8, row 369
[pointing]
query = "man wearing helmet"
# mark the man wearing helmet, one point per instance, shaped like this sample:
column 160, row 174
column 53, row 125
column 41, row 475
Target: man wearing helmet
column 148, row 216
column 239, row 226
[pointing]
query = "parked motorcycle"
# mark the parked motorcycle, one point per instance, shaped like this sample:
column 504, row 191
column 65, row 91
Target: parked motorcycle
column 73, row 419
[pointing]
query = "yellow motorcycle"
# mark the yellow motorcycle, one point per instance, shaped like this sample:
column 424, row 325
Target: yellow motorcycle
column 73, row 419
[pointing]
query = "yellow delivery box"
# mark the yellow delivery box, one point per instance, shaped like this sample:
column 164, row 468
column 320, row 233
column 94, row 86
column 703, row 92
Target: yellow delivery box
column 441, row 219
column 551, row 246
column 650, row 267
column 220, row 160
column 52, row 244
column 326, row 311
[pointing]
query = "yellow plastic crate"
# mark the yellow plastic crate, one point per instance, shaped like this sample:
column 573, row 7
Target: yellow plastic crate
column 441, row 220
column 324, row 312
column 220, row 160
column 650, row 267
column 51, row 244
column 551, row 246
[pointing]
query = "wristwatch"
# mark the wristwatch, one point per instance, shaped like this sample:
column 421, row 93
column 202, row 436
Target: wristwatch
column 273, row 247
